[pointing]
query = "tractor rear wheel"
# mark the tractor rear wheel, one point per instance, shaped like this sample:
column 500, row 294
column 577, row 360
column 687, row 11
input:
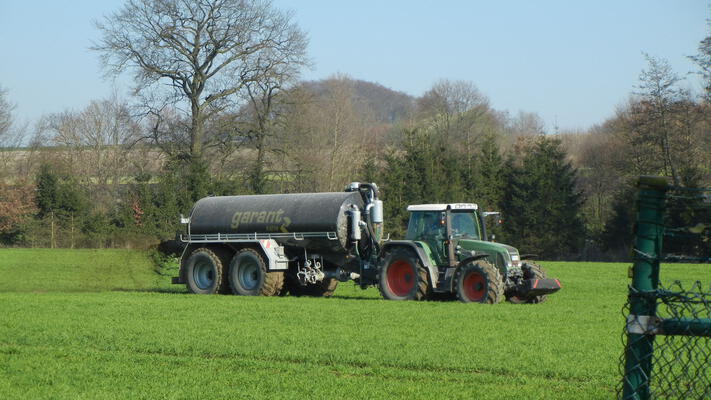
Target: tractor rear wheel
column 479, row 282
column 530, row 271
column 249, row 275
column 403, row 277
column 204, row 272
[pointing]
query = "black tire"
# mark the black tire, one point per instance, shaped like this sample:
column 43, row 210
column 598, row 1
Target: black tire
column 204, row 272
column 324, row 288
column 530, row 271
column 403, row 277
column 479, row 282
column 248, row 275
column 225, row 255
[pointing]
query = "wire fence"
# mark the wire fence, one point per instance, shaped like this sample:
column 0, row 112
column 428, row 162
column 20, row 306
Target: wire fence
column 668, row 331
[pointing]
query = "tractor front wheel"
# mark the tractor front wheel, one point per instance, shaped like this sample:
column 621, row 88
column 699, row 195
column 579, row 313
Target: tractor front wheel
column 403, row 277
column 479, row 282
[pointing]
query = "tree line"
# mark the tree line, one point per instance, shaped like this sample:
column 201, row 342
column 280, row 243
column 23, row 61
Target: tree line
column 219, row 110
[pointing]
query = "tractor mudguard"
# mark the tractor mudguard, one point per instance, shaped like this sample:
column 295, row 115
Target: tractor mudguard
column 418, row 248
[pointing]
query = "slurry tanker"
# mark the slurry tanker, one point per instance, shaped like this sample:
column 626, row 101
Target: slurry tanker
column 306, row 243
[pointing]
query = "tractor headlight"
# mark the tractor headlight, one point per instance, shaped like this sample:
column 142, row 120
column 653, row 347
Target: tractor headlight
column 515, row 259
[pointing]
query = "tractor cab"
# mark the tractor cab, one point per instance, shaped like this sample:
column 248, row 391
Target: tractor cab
column 432, row 219
column 457, row 231
column 439, row 224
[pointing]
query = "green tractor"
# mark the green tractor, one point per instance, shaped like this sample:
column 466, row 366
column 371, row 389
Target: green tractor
column 447, row 252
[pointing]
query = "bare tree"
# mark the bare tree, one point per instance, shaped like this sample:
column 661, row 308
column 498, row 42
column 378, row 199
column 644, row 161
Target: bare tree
column 325, row 134
column 17, row 204
column 459, row 114
column 197, row 56
column 659, row 94
column 451, row 97
column 526, row 124
column 703, row 60
column 262, row 112
column 12, row 137
column 93, row 144
column 6, row 109
column 455, row 109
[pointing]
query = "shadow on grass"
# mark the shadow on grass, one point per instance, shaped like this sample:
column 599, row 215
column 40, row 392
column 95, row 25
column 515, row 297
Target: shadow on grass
column 152, row 290
column 180, row 291
column 436, row 297
column 355, row 297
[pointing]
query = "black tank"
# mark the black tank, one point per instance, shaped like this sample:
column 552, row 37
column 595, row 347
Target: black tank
column 280, row 213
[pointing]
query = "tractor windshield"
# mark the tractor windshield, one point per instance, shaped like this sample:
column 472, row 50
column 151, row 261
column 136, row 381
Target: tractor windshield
column 430, row 225
column 426, row 225
column 464, row 225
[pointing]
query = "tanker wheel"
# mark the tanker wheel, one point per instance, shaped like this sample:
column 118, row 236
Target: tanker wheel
column 403, row 277
column 325, row 288
column 479, row 282
column 249, row 276
column 204, row 272
column 530, row 271
column 225, row 255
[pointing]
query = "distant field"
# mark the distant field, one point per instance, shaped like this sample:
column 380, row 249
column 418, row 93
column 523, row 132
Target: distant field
column 104, row 324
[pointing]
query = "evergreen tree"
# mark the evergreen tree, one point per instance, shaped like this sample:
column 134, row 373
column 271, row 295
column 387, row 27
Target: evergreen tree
column 426, row 171
column 487, row 186
column 618, row 233
column 542, row 207
column 47, row 190
column 58, row 195
column 393, row 191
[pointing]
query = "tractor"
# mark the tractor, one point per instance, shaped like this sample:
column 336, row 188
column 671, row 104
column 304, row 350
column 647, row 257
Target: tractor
column 447, row 252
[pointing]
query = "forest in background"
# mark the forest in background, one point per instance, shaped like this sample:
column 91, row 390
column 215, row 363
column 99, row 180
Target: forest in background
column 119, row 172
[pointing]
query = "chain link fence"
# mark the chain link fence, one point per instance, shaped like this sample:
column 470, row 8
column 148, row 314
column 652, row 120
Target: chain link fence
column 668, row 333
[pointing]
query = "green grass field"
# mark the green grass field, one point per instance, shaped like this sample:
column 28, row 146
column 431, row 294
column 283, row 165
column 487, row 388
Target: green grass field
column 104, row 324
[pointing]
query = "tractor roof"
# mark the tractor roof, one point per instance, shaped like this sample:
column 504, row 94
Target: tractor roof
column 442, row 207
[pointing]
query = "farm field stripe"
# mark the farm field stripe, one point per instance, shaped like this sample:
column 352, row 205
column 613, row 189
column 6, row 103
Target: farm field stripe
column 269, row 365
column 367, row 369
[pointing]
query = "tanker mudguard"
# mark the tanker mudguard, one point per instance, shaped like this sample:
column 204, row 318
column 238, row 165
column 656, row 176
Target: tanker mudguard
column 431, row 269
column 275, row 255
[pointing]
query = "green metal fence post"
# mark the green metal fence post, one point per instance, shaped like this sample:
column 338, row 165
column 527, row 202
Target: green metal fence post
column 647, row 248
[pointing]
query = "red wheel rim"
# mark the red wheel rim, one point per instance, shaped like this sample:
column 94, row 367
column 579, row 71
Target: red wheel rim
column 474, row 286
column 401, row 278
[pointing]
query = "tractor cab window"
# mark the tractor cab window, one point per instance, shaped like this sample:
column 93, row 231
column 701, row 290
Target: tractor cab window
column 464, row 225
column 426, row 225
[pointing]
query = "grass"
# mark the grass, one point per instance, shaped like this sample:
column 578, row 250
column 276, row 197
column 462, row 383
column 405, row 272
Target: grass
column 104, row 324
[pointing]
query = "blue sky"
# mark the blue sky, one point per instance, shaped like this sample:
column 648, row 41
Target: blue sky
column 571, row 62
